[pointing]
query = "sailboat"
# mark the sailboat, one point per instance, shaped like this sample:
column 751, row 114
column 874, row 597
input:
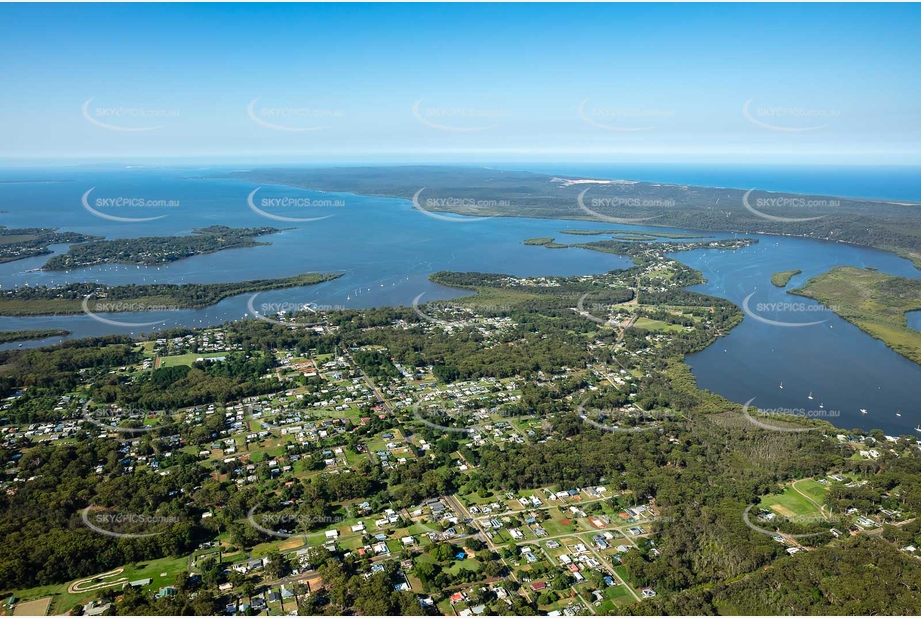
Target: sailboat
column 822, row 406
column 781, row 385
column 863, row 410
column 810, row 394
column 918, row 428
column 898, row 414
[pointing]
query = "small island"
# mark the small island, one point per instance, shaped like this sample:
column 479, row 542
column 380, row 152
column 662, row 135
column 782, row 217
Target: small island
column 543, row 242
column 782, row 278
column 157, row 250
column 12, row 336
column 68, row 299
column 874, row 302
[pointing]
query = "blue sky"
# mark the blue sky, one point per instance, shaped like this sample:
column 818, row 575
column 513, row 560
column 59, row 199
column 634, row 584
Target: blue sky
column 823, row 83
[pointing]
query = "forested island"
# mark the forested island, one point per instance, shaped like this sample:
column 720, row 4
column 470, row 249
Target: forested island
column 486, row 192
column 874, row 302
column 782, row 278
column 157, row 250
column 21, row 243
column 99, row 298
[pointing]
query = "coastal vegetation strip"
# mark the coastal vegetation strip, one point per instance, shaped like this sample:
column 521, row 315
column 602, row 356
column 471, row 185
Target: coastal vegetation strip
column 68, row 299
column 156, row 250
column 12, row 336
column 632, row 233
column 782, row 278
column 874, row 302
column 22, row 243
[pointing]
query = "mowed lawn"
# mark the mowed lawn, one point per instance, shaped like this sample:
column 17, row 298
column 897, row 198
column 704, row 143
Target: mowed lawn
column 648, row 324
column 815, row 490
column 789, row 504
column 62, row 601
column 186, row 359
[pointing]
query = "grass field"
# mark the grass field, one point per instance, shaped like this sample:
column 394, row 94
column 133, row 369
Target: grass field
column 648, row 324
column 62, row 601
column 790, row 503
column 815, row 490
column 186, row 359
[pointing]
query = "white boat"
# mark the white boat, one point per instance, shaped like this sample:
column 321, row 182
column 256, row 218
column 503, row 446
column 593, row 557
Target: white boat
column 781, row 385
column 918, row 428
column 810, row 394
column 863, row 410
column 822, row 406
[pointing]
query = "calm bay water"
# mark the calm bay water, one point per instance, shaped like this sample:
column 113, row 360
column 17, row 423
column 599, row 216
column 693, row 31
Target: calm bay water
column 386, row 250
